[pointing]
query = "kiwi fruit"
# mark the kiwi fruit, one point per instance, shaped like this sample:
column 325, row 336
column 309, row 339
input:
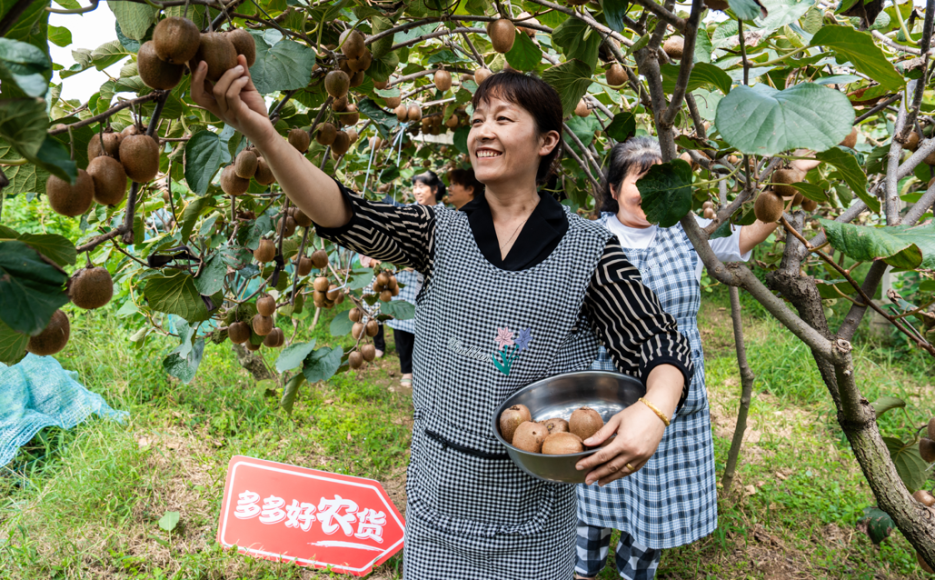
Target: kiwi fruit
column 782, row 178
column 320, row 259
column 245, row 164
column 924, row 497
column 562, row 443
column 238, row 332
column 442, row 80
column 336, row 83
column 809, row 205
column 140, row 157
column 303, row 267
column 912, row 141
column 850, row 140
column 252, row 347
column 502, row 34
column 529, row 437
column 355, row 360
column 369, row 352
column 923, row 564
column 768, row 207
column 91, row 288
column 355, row 314
column 373, row 328
column 321, row 284
column 352, row 43
column 582, row 109
column 67, row 199
column 107, row 143
column 511, row 419
column 341, row 143
column 927, row 449
column 265, row 252
column 176, row 40
column 287, row 228
column 326, row 134
column 357, row 330
column 110, row 180
column 352, row 135
column 53, row 337
column 243, row 44
column 299, row 139
column 392, row 102
column 215, row 49
column 452, row 122
column 231, row 184
column 709, row 213
column 929, row 159
column 585, row 422
column 275, row 338
column 356, row 79
column 262, row 325
column 264, row 175
column 717, row 4
column 481, row 74
column 414, row 112
column 556, row 425
column 154, row 72
column 673, row 47
column 402, row 113
column 332, row 292
column 616, row 75
column 339, row 105
column 302, row 219
column 266, row 305
column 386, row 295
column 381, row 84
column 360, row 64
column 350, row 117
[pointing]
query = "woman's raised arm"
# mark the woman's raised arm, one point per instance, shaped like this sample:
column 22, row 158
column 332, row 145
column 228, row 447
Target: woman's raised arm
column 234, row 100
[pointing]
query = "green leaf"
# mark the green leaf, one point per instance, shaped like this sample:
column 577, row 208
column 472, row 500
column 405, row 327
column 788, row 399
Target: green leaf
column 879, row 524
column 851, row 172
column 289, row 393
column 23, row 123
column 702, row 74
column 703, row 47
column 898, row 246
column 723, row 231
column 283, row 66
column 322, row 364
column 57, row 248
column 614, row 12
column 524, row 55
column 783, row 12
column 381, row 47
column 108, row 53
column 12, row 345
column 460, row 139
column 31, row 26
column 622, row 127
column 764, row 121
column 573, row 38
column 748, row 9
column 384, row 121
column 176, row 294
column 59, row 35
column 191, row 214
column 381, row 68
column 909, row 463
column 28, row 66
column 211, row 277
column 398, row 309
column 185, row 368
column 169, row 520
column 134, row 19
column 32, row 290
column 811, row 191
column 293, row 355
column 341, row 324
column 203, row 154
column 571, row 79
column 859, row 48
column 885, row 403
column 56, row 159
column 666, row 190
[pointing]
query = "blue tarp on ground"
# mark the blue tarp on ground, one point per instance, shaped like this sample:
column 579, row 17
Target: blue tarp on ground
column 37, row 392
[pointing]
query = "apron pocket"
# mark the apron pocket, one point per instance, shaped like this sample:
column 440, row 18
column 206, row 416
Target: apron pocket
column 464, row 491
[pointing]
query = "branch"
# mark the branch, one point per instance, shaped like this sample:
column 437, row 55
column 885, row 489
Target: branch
column 685, row 67
column 593, row 23
column 425, row 73
column 891, row 193
column 663, row 14
column 95, row 242
column 746, row 389
column 274, row 114
column 583, row 149
column 920, row 207
column 570, row 151
column 877, row 108
column 223, row 14
column 111, row 111
column 452, row 18
column 79, row 10
column 893, row 44
column 437, row 34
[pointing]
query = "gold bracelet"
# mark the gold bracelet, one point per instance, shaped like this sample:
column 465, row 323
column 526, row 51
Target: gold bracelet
column 659, row 413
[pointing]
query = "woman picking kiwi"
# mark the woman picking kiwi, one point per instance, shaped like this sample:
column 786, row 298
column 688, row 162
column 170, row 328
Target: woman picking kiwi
column 672, row 500
column 517, row 290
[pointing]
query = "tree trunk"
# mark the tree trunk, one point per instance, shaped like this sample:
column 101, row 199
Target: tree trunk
column 253, row 363
column 746, row 389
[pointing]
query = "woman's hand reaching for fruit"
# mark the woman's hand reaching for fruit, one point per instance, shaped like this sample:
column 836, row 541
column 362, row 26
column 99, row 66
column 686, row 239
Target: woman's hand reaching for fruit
column 234, row 100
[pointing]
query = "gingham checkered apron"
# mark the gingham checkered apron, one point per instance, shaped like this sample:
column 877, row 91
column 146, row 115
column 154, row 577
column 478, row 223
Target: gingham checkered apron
column 672, row 500
column 471, row 512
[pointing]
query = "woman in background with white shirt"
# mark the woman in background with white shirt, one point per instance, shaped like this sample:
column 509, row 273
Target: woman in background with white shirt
column 672, row 500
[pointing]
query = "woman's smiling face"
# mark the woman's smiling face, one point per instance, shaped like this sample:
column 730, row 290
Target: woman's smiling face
column 423, row 193
column 504, row 143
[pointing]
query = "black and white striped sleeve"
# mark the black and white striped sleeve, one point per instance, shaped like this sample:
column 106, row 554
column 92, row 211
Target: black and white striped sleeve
column 401, row 235
column 629, row 321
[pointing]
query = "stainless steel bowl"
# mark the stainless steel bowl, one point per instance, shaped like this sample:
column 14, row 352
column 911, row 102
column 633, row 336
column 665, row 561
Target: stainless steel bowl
column 605, row 392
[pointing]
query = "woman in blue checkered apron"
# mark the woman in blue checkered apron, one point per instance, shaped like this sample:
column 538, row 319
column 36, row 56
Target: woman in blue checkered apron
column 672, row 500
column 517, row 288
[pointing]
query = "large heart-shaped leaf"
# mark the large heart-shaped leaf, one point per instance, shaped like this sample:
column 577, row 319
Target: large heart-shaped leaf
column 577, row 40
column 32, row 290
column 290, row 391
column 293, row 355
column 281, row 66
column 134, row 19
column 666, row 190
column 57, row 248
column 524, row 55
column 571, row 79
column 859, row 48
column 176, row 294
column 748, row 9
column 184, row 368
column 702, row 74
column 398, row 309
column 763, row 121
column 341, row 324
column 203, row 154
column 22, row 124
column 623, row 126
column 322, row 364
column 899, row 246
column 886, row 403
column 210, row 278
column 12, row 345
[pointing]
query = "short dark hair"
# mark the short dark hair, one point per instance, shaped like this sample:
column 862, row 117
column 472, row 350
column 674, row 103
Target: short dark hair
column 430, row 178
column 536, row 96
column 465, row 178
column 636, row 154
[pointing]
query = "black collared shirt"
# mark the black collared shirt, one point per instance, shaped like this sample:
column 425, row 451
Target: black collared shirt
column 537, row 238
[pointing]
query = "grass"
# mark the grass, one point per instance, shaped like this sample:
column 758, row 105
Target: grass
column 85, row 503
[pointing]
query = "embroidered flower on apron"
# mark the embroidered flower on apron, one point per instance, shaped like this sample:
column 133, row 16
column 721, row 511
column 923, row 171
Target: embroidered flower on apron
column 508, row 349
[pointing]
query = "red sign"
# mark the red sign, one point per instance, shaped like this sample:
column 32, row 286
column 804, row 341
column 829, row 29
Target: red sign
column 313, row 518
